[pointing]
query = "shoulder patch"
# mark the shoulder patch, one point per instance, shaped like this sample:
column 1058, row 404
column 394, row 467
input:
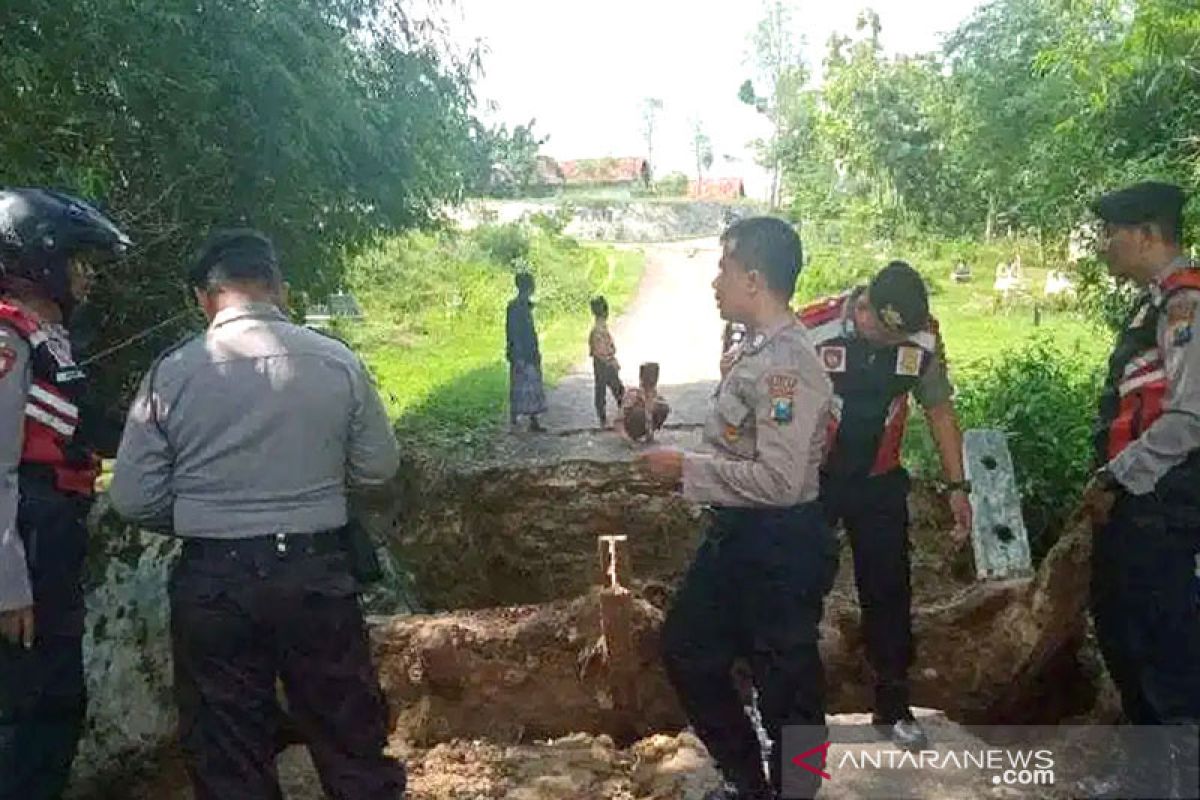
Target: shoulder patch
column 908, row 360
column 833, row 358
column 1181, row 316
column 781, row 391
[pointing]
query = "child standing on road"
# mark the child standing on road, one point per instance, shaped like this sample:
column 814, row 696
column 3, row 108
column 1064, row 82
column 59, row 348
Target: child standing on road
column 604, row 361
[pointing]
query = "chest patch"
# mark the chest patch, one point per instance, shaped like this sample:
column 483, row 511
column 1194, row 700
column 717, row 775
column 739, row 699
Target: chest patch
column 833, row 358
column 908, row 361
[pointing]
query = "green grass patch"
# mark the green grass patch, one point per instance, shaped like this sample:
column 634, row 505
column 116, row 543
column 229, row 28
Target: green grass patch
column 435, row 307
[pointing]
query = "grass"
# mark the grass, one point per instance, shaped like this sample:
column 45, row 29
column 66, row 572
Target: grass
column 435, row 308
column 975, row 328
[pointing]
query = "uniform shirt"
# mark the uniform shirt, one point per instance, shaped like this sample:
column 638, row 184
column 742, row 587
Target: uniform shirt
column 1174, row 435
column 933, row 387
column 600, row 344
column 15, row 378
column 767, row 426
column 253, row 428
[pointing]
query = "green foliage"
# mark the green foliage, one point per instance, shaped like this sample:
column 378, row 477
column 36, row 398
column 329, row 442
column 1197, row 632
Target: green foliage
column 1044, row 398
column 435, row 306
column 674, row 184
column 504, row 163
column 505, row 244
column 322, row 122
column 1029, row 110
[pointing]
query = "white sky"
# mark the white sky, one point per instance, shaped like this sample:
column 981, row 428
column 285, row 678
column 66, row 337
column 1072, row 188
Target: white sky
column 582, row 68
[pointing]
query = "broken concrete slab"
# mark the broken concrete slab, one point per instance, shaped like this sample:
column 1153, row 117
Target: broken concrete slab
column 999, row 538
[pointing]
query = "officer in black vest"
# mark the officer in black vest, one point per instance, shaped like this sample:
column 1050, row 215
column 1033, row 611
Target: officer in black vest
column 879, row 345
column 1144, row 500
column 47, row 474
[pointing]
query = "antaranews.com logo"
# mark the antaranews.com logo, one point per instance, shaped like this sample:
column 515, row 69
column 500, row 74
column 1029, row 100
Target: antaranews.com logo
column 1007, row 767
column 993, row 761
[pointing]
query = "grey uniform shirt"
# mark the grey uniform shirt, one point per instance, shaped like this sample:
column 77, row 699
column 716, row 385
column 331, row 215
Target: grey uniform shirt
column 254, row 428
column 1174, row 435
column 15, row 589
column 767, row 427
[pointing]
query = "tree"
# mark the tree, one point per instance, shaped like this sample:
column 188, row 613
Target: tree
column 506, row 162
column 780, row 70
column 650, row 108
column 322, row 122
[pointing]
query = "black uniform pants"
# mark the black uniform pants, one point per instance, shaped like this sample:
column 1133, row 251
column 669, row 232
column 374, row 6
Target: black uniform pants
column 244, row 615
column 755, row 591
column 1146, row 608
column 607, row 379
column 42, row 695
column 874, row 512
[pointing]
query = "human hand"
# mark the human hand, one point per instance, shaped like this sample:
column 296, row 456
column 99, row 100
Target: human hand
column 1097, row 502
column 960, row 507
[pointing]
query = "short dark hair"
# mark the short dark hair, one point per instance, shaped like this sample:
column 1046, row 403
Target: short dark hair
column 599, row 306
column 770, row 246
column 1149, row 202
column 524, row 281
column 236, row 255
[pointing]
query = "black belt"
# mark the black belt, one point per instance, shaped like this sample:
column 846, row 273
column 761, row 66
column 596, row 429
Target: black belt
column 281, row 544
column 725, row 520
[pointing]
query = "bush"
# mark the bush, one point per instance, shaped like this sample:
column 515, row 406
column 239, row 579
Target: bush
column 1044, row 399
column 506, row 244
column 673, row 185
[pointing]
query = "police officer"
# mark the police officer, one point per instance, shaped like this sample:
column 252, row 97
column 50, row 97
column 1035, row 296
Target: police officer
column 49, row 243
column 1145, row 498
column 878, row 345
column 243, row 440
column 756, row 588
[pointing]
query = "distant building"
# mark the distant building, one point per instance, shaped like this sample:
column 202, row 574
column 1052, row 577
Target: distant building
column 717, row 189
column 606, row 173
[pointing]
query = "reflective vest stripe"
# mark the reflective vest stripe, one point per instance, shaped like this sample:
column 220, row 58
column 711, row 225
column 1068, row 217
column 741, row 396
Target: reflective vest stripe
column 49, row 420
column 823, row 333
column 1146, row 359
column 52, row 401
column 1157, row 376
column 925, row 340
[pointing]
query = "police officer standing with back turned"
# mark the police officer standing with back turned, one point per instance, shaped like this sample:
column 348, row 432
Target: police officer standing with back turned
column 243, row 440
column 49, row 243
column 756, row 588
column 1144, row 500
